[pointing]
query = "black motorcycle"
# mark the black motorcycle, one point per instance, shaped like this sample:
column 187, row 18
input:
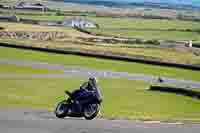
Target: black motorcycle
column 87, row 105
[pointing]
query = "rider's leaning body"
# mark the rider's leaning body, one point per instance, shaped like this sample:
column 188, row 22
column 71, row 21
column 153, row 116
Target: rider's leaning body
column 85, row 89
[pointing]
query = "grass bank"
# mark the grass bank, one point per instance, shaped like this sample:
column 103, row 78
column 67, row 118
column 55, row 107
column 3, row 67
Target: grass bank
column 139, row 51
column 89, row 62
column 36, row 28
column 74, row 39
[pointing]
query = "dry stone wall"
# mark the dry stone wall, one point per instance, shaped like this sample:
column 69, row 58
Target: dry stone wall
column 45, row 36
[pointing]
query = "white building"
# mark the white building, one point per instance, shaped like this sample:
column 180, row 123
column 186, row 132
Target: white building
column 78, row 23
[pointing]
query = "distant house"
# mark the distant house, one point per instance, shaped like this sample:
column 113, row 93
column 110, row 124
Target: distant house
column 28, row 6
column 78, row 23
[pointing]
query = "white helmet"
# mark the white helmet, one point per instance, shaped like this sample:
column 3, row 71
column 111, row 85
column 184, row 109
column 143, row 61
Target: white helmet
column 93, row 82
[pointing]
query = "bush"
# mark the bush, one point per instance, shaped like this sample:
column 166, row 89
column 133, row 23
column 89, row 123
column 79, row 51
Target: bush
column 138, row 41
column 59, row 13
column 155, row 42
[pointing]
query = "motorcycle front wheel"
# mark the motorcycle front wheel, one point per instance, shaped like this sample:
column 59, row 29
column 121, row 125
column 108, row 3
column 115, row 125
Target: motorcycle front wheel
column 61, row 109
column 91, row 111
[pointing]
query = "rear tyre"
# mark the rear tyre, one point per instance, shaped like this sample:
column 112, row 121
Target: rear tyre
column 91, row 111
column 61, row 109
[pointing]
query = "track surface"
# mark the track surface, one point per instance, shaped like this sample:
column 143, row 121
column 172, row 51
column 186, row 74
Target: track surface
column 74, row 71
column 33, row 121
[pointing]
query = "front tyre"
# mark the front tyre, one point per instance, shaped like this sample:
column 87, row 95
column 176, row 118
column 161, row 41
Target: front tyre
column 61, row 109
column 91, row 111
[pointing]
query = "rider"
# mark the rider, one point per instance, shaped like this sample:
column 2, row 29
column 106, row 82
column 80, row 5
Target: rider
column 87, row 87
column 90, row 85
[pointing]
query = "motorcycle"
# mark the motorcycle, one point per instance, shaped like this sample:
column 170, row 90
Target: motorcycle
column 87, row 106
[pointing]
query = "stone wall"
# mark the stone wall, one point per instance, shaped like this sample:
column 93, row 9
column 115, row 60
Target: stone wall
column 45, row 36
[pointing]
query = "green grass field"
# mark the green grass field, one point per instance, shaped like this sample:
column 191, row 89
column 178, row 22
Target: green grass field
column 72, row 41
column 150, row 35
column 7, row 1
column 131, row 100
column 147, row 28
column 43, row 17
column 171, row 55
column 71, row 60
column 136, row 23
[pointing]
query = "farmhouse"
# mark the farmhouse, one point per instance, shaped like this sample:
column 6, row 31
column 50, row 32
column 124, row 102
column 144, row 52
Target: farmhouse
column 29, row 6
column 81, row 23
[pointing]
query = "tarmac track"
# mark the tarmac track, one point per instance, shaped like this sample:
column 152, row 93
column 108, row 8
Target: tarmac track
column 34, row 121
column 74, row 71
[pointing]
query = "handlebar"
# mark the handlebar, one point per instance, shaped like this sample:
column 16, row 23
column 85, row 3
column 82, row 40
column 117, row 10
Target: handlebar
column 68, row 93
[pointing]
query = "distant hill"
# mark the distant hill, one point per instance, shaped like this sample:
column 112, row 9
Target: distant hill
column 176, row 2
column 166, row 4
column 163, row 4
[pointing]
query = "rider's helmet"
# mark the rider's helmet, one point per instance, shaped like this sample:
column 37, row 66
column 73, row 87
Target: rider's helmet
column 93, row 83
